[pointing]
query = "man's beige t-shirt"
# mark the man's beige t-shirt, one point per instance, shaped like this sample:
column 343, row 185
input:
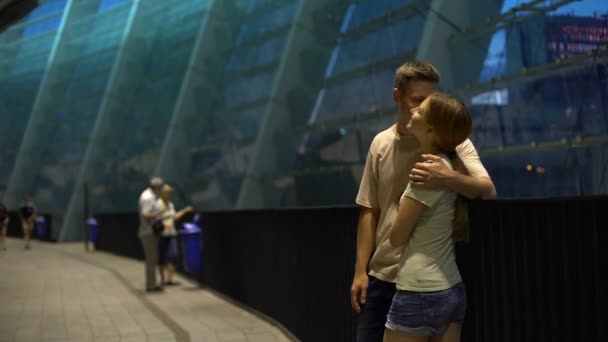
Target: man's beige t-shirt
column 390, row 159
column 427, row 260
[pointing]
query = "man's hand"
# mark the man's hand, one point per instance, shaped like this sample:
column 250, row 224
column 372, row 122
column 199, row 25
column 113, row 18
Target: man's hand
column 432, row 173
column 358, row 291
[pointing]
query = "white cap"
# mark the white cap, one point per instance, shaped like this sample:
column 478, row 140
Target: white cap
column 156, row 182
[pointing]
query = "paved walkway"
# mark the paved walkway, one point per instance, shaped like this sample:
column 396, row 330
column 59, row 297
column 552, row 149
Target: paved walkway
column 59, row 292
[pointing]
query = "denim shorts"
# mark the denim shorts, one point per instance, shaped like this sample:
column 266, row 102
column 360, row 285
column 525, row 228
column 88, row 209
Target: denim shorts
column 427, row 313
column 167, row 250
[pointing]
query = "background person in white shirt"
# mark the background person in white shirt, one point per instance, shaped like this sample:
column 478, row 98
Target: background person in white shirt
column 148, row 213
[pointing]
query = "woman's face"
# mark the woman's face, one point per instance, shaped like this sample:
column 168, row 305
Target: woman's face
column 166, row 194
column 417, row 124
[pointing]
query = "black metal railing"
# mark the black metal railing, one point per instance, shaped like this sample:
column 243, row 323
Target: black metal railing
column 532, row 268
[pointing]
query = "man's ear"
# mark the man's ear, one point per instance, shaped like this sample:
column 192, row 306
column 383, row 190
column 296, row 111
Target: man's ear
column 396, row 95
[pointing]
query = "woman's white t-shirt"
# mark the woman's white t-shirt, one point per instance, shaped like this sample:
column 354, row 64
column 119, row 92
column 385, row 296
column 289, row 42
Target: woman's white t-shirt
column 168, row 217
column 428, row 262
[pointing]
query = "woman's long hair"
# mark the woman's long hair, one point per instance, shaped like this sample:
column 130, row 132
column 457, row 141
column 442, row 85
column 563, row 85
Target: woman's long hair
column 452, row 124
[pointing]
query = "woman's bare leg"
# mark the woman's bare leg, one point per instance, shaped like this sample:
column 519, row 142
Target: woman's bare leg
column 452, row 334
column 170, row 272
column 399, row 336
column 27, row 233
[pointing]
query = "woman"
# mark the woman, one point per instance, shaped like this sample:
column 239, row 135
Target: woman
column 430, row 302
column 168, row 239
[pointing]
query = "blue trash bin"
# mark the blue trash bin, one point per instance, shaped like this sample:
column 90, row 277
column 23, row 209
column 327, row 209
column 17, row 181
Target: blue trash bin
column 191, row 242
column 42, row 228
column 93, row 227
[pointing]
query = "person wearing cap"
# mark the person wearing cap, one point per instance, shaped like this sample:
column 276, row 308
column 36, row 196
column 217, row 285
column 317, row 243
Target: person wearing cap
column 148, row 213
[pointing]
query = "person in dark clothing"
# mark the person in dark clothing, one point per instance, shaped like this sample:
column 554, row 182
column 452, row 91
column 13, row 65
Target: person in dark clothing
column 4, row 219
column 28, row 213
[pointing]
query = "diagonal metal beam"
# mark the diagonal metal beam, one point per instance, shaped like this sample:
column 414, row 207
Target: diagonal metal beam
column 512, row 17
column 402, row 13
column 368, row 69
column 198, row 89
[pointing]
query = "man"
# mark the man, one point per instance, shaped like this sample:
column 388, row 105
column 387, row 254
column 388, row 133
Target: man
column 4, row 220
column 391, row 158
column 148, row 213
column 28, row 214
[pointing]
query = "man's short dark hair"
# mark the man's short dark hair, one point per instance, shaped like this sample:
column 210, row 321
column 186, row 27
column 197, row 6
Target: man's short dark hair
column 415, row 71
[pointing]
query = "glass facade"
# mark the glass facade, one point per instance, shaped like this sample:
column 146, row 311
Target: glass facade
column 24, row 52
column 106, row 91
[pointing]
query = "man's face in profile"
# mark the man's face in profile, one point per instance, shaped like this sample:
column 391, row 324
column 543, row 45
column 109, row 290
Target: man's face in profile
column 415, row 93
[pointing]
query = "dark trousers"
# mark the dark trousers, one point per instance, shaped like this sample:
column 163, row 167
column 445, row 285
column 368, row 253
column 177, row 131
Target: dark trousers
column 372, row 318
